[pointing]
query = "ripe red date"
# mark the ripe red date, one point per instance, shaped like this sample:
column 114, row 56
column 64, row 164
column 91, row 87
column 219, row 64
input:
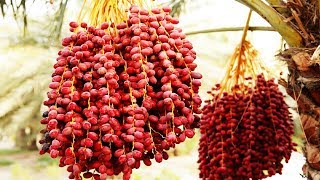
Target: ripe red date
column 116, row 96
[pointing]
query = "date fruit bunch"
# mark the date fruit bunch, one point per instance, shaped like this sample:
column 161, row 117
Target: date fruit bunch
column 246, row 127
column 121, row 94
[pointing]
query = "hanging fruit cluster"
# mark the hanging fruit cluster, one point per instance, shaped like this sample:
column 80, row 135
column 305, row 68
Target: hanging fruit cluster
column 121, row 94
column 246, row 127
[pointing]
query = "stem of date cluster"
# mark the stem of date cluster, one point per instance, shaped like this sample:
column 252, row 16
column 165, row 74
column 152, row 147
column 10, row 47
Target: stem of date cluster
column 132, row 98
column 191, row 89
column 271, row 114
column 100, row 138
column 62, row 78
column 171, row 90
column 250, row 134
column 85, row 146
column 108, row 90
column 60, row 85
column 145, row 77
column 165, row 113
column 143, row 65
column 155, row 131
column 73, row 141
column 245, row 29
column 172, row 110
column 231, row 127
column 72, row 85
column 222, row 158
column 56, row 105
column 89, row 104
column 130, row 88
column 150, row 128
column 253, row 68
column 72, row 120
column 248, row 104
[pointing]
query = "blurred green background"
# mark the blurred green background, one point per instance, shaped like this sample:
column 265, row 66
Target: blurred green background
column 30, row 41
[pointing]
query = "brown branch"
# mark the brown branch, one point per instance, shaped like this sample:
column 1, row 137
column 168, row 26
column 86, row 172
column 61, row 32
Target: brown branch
column 301, row 26
column 245, row 29
column 251, row 28
column 278, row 5
column 275, row 2
column 305, row 104
column 289, row 34
column 318, row 7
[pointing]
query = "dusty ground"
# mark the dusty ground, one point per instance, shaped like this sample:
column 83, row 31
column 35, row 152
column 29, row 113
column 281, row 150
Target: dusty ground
column 28, row 166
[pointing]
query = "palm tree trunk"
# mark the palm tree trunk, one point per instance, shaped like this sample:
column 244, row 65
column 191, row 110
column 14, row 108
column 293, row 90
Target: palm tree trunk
column 292, row 20
column 304, row 86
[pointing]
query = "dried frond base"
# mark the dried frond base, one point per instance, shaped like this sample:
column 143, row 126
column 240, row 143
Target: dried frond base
column 303, row 86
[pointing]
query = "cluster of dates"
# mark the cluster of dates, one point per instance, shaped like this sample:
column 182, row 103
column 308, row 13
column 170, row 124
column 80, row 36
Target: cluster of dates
column 121, row 97
column 245, row 135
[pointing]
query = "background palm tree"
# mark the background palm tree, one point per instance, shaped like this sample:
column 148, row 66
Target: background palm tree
column 23, row 96
column 53, row 23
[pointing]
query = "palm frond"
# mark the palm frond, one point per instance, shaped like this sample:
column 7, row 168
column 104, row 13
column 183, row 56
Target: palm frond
column 2, row 6
column 22, row 94
column 57, row 21
column 20, row 71
column 21, row 116
column 178, row 6
column 25, row 17
column 19, row 10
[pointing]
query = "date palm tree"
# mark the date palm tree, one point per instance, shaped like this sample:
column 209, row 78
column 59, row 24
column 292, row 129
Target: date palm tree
column 27, row 75
column 298, row 21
